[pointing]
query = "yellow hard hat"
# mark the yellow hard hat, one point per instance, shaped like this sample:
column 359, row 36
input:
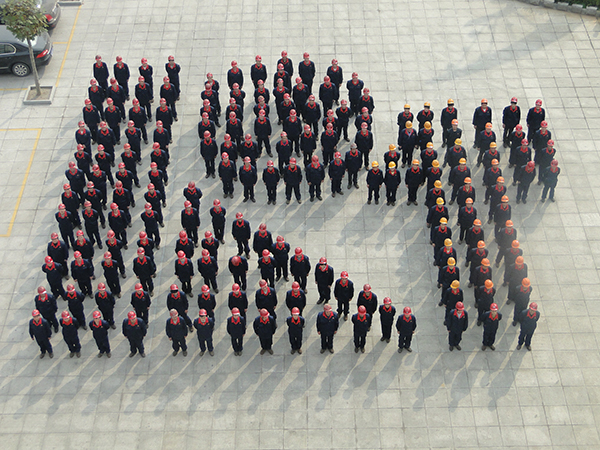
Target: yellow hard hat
column 493, row 145
column 455, row 284
column 392, row 165
column 443, row 220
column 374, row 164
column 450, row 101
column 392, row 147
column 447, row 242
column 429, row 144
column 458, row 141
column 437, row 184
column 435, row 163
column 427, row 104
column 427, row 125
column 439, row 201
column 462, row 161
column 407, row 106
column 408, row 124
column 451, row 262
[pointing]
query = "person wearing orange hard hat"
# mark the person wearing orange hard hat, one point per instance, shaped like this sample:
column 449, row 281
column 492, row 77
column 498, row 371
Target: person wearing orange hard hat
column 485, row 298
column 481, row 116
column 502, row 213
column 521, row 298
column 447, row 118
column 550, row 179
column 506, row 239
column 516, row 273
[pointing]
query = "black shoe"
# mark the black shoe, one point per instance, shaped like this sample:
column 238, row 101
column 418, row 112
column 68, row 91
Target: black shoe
column 514, row 323
column 319, row 198
column 175, row 352
column 524, row 201
column 528, row 347
column 377, row 202
column 50, row 355
column 492, row 347
column 451, row 348
column 321, row 300
column 143, row 355
column 458, row 347
column 400, row 350
column 519, row 347
column 368, row 202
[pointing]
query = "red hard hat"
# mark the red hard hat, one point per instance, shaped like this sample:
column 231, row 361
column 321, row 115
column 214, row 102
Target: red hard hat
column 131, row 315
column 35, row 313
column 62, row 206
column 141, row 251
column 513, row 100
column 270, row 163
column 217, row 202
column 295, row 285
column 262, row 283
column 205, row 288
column 264, row 312
column 182, row 234
column 208, row 235
column 262, row 226
column 362, row 309
column 544, row 124
column 519, row 127
column 47, row 259
column 337, row 155
column 174, row 287
column 387, row 301
column 138, row 286
column 524, row 142
column 110, row 101
column 554, row 162
column 187, row 204
column 298, row 251
column 41, row 290
column 235, row 287
column 202, row 312
column 148, row 206
column 407, row 310
column 181, row 254
column 295, row 310
column 367, row 287
column 235, row 311
column 460, row 306
column 96, row 315
column 65, row 314
column 344, row 274
column 205, row 252
column 153, row 165
column 101, row 286
column 54, row 236
column 533, row 306
column 77, row 254
column 79, row 233
column 323, row 260
column 327, row 307
column 265, row 252
column 135, row 101
column 280, row 239
column 70, row 288
column 493, row 307
column 114, row 206
column 247, row 159
column 110, row 233
column 292, row 160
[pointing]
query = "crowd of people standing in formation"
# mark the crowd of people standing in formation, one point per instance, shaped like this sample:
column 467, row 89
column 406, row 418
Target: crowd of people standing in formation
column 89, row 174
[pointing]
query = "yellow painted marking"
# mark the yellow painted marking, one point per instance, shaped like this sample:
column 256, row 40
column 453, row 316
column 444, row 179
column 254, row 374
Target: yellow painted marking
column 68, row 46
column 35, row 144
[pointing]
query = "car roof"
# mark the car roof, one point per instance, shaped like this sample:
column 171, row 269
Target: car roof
column 7, row 37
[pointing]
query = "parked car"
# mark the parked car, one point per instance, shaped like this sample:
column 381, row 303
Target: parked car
column 14, row 54
column 50, row 8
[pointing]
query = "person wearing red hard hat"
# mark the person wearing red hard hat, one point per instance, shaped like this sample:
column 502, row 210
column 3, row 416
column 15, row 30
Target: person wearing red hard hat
column 307, row 71
column 328, row 93
column 300, row 268
column 184, row 244
column 240, row 230
column 308, row 144
column 406, row 326
column 155, row 198
column 117, row 94
column 193, row 194
column 315, row 176
column 123, row 197
column 366, row 101
column 217, row 214
column 105, row 301
column 335, row 74
column 83, row 245
column 46, row 305
column 227, row 173
column 516, row 273
column 184, row 271
column 248, row 177
column 211, row 244
column 481, row 116
column 173, row 69
column 355, row 87
column 114, row 246
column 101, row 73
column 550, row 179
column 82, row 157
column 99, row 328
column 337, row 168
column 353, row 162
column 266, row 298
column 528, row 319
column 238, row 266
column 343, row 292
column 262, row 97
column 280, row 74
column 164, row 117
column 264, row 327
column 176, row 331
column 295, row 298
column 263, row 131
column 142, row 111
column 362, row 325
column 266, row 264
column 343, row 114
column 147, row 71
column 490, row 320
column 82, row 270
column 92, row 114
column 140, row 300
column 456, row 323
column 363, row 117
column 209, row 269
column 386, row 318
column 329, row 141
column 206, row 301
column 162, row 135
column 544, row 158
column 113, row 118
column 178, row 301
column 108, row 139
column 311, row 114
column 328, row 323
column 235, row 75
column 145, row 269
column 117, row 222
column 324, row 280
column 76, row 179
column 271, row 175
column 511, row 117
column 236, row 328
column 258, row 71
column 367, row 299
column 69, row 331
column 161, row 158
column 292, row 178
column 190, row 221
column 211, row 93
column 40, row 330
column 234, row 127
column 300, row 94
column 134, row 329
column 535, row 116
column 237, row 299
column 209, row 152
column 75, row 300
column 280, row 250
column 72, row 202
column 204, row 326
column 295, row 324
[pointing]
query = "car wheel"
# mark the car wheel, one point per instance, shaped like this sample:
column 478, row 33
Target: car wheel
column 20, row 69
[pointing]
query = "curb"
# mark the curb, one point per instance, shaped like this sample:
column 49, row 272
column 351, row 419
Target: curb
column 563, row 6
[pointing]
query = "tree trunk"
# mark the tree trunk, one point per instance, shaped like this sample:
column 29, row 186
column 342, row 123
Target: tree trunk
column 34, row 69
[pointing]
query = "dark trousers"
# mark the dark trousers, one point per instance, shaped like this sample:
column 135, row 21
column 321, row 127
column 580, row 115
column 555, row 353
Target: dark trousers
column 179, row 343
column 522, row 191
column 463, row 232
column 205, row 343
column 386, row 330
column 342, row 128
column 281, row 269
column 248, row 191
column 412, row 193
column 143, row 314
column 243, row 247
column 237, row 343
column 58, row 290
column 326, row 341
column 353, row 176
column 119, row 260
column 296, row 189
column 324, row 292
column 266, row 342
column 336, row 185
column 525, row 337
column 407, row 155
column 192, row 234
column 45, row 346
column 327, row 156
column 227, row 187
column 296, row 341
column 85, row 286
column 272, row 193
column 103, row 345
column 94, row 235
column 210, row 166
column 73, row 345
column 147, row 283
column 186, row 286
column 301, row 279
column 211, row 281
column 343, row 307
column 186, row 318
column 360, row 340
column 121, row 236
column 108, row 315
column 390, row 194
column 545, row 191
column 51, row 318
column 154, row 235
column 366, row 157
column 148, row 109
column 114, row 285
column 219, row 230
column 260, row 140
column 374, row 191
column 314, row 189
column 307, row 158
column 489, row 337
column 295, row 144
column 454, row 338
column 506, row 135
column 68, row 237
column 136, row 345
column 404, row 340
column 241, row 280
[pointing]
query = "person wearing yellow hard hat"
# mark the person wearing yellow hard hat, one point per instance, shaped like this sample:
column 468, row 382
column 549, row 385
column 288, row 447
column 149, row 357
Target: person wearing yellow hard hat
column 481, row 116
column 452, row 134
column 454, row 154
column 436, row 213
column 434, row 193
column 426, row 136
column 457, row 178
column 486, row 137
column 374, row 182
column 466, row 216
column 428, row 155
column 433, row 174
column 511, row 116
column 507, row 241
column 449, row 114
column 407, row 141
column 392, row 181
column 447, row 274
column 450, row 298
column 438, row 236
column 391, row 155
column 425, row 115
column 489, row 155
column 404, row 116
column 414, row 178
column 447, row 251
column 474, row 235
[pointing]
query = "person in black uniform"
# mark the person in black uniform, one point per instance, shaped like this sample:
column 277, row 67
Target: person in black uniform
column 328, row 323
column 308, row 144
column 99, row 330
column 134, row 329
column 490, row 320
column 54, row 274
column 209, row 269
column 481, row 116
column 406, row 325
column 140, row 300
column 292, row 178
column 295, row 325
column 238, row 266
column 82, row 270
column 362, row 325
column 355, row 87
column 236, row 328
column 190, row 221
column 337, row 171
column 511, row 116
column 101, row 73
column 315, row 175
column 147, row 71
column 550, row 179
column 114, row 246
column 535, row 117
column 106, row 304
column 184, row 271
column 69, row 331
column 173, row 70
column 306, row 70
column 143, row 97
column 145, row 269
column 248, row 177
column 178, row 301
column 204, row 326
column 94, row 106
column 295, row 298
column 264, row 327
column 217, row 214
column 237, row 299
column 375, row 179
column 386, row 317
column 46, row 305
column 235, row 75
column 258, row 71
column 457, row 322
column 280, row 251
column 528, row 319
column 176, row 332
column 343, row 293
column 300, row 267
column 449, row 114
column 39, row 329
column 323, row 280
